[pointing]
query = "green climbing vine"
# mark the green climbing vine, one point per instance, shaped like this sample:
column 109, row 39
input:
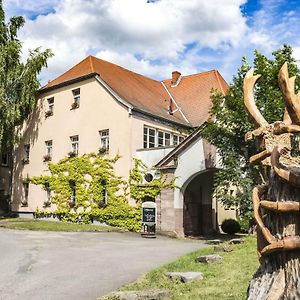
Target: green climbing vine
column 85, row 188
column 142, row 191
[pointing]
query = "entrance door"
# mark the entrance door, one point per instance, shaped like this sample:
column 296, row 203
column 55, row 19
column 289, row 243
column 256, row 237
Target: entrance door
column 197, row 214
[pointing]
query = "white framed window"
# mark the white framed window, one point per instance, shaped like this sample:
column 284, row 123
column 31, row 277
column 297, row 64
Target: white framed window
column 76, row 98
column 163, row 138
column 175, row 139
column 74, row 144
column 167, row 139
column 159, row 138
column 150, row 138
column 50, row 104
column 49, row 148
column 104, row 139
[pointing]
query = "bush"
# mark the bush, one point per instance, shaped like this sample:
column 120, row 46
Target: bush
column 230, row 226
column 246, row 224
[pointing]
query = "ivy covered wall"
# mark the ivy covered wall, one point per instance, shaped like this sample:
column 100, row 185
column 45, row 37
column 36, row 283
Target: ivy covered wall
column 85, row 188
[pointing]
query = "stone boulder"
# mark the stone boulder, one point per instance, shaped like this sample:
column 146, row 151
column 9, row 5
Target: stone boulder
column 185, row 276
column 209, row 258
column 223, row 248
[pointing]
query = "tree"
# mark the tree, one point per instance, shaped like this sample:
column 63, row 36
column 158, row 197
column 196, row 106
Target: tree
column 231, row 122
column 18, row 80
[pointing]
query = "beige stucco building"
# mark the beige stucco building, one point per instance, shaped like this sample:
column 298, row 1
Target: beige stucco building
column 99, row 106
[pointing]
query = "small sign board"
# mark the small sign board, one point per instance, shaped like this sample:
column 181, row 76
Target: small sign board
column 149, row 213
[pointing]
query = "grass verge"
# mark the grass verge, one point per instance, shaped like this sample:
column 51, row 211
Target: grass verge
column 32, row 224
column 228, row 279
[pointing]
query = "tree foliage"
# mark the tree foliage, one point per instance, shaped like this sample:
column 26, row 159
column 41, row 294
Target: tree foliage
column 18, row 79
column 231, row 122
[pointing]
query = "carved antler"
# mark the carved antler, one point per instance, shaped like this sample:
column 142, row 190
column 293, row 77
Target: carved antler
column 248, row 86
column 292, row 100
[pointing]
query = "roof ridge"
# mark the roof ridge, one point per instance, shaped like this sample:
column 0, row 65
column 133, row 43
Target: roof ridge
column 91, row 62
column 219, row 82
column 120, row 67
column 196, row 74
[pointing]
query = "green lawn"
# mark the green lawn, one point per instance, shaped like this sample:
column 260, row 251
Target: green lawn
column 228, row 279
column 32, row 224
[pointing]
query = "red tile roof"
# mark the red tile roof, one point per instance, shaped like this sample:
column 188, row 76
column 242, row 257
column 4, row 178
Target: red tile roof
column 148, row 95
column 192, row 94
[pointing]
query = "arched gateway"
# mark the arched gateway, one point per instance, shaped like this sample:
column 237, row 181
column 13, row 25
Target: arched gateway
column 190, row 209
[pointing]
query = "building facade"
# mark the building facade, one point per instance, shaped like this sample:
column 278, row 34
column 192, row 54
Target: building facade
column 97, row 106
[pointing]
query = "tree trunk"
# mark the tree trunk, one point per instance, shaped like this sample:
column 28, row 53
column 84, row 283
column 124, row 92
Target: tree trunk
column 278, row 276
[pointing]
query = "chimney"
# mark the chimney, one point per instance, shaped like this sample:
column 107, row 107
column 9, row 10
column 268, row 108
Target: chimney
column 175, row 78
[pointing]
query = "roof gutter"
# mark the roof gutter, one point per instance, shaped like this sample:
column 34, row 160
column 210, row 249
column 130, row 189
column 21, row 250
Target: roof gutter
column 65, row 83
column 178, row 108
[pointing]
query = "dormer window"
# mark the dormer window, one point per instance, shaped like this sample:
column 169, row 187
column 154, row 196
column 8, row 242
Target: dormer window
column 76, row 98
column 49, row 112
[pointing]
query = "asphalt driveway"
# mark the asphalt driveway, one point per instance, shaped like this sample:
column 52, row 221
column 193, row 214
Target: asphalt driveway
column 78, row 266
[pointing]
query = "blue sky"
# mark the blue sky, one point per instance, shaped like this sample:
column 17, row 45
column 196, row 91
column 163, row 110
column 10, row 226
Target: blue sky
column 156, row 37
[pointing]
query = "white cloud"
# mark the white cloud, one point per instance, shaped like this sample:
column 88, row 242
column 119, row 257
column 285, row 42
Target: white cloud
column 158, row 33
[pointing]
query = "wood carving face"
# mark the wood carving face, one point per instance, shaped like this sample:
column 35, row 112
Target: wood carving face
column 278, row 139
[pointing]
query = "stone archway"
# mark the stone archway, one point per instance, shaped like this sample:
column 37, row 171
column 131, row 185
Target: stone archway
column 198, row 213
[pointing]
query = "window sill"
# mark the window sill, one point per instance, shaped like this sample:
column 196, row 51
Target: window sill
column 157, row 148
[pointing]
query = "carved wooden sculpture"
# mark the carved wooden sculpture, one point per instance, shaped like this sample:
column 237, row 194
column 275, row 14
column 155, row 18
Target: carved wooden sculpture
column 277, row 204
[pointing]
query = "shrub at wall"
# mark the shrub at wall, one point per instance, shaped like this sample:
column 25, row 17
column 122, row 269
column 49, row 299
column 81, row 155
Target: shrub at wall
column 230, row 226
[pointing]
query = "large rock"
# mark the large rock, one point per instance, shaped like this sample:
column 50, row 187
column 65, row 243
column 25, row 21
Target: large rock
column 223, row 248
column 185, row 276
column 141, row 295
column 209, row 258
